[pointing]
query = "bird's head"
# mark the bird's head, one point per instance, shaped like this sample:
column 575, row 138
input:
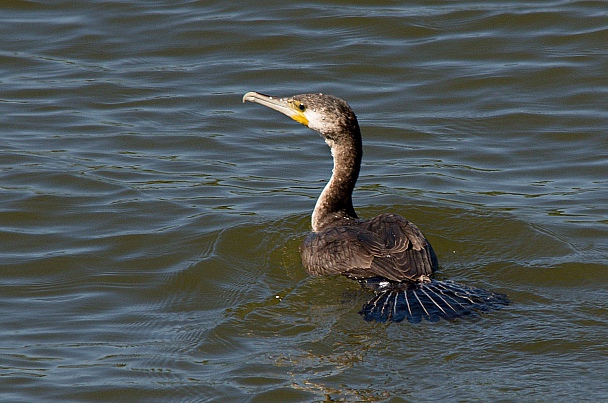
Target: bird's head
column 326, row 114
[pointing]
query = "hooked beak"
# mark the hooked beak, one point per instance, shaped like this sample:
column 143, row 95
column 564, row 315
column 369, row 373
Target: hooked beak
column 287, row 106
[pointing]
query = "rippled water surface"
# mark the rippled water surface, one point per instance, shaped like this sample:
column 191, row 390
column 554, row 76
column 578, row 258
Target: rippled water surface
column 150, row 222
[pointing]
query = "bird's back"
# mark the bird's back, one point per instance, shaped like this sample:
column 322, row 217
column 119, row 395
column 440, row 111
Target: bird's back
column 387, row 246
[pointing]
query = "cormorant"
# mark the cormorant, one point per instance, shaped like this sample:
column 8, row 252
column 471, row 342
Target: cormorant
column 387, row 253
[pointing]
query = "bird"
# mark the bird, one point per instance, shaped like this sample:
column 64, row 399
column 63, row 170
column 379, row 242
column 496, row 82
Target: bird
column 386, row 254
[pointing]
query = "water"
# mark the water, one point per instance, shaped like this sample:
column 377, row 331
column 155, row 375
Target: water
column 150, row 221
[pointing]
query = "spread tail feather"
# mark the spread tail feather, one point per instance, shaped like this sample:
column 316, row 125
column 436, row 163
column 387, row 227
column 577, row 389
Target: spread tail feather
column 432, row 300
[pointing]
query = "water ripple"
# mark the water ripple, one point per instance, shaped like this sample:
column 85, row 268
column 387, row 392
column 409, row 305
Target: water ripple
column 150, row 222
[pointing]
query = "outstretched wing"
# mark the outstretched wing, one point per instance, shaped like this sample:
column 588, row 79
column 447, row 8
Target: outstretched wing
column 386, row 246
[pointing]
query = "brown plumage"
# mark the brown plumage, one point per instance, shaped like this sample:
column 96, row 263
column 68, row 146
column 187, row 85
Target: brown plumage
column 386, row 246
column 386, row 253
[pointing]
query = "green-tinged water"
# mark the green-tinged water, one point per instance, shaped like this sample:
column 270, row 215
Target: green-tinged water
column 150, row 221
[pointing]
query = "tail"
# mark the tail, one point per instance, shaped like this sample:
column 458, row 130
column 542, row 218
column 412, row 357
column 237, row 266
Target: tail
column 433, row 300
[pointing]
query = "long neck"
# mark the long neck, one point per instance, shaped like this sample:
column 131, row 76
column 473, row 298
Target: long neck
column 335, row 203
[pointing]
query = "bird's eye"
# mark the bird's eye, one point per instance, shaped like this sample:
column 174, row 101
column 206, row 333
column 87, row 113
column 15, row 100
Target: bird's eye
column 297, row 105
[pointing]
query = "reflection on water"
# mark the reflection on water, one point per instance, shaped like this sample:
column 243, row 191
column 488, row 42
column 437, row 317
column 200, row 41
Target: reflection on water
column 150, row 224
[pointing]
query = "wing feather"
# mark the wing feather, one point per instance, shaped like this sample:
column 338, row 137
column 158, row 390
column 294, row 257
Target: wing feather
column 387, row 246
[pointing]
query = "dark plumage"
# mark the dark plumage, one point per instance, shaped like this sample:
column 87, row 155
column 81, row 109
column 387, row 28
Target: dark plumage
column 386, row 246
column 387, row 253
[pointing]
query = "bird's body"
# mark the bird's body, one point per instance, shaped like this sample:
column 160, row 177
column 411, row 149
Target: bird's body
column 386, row 246
column 386, row 253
